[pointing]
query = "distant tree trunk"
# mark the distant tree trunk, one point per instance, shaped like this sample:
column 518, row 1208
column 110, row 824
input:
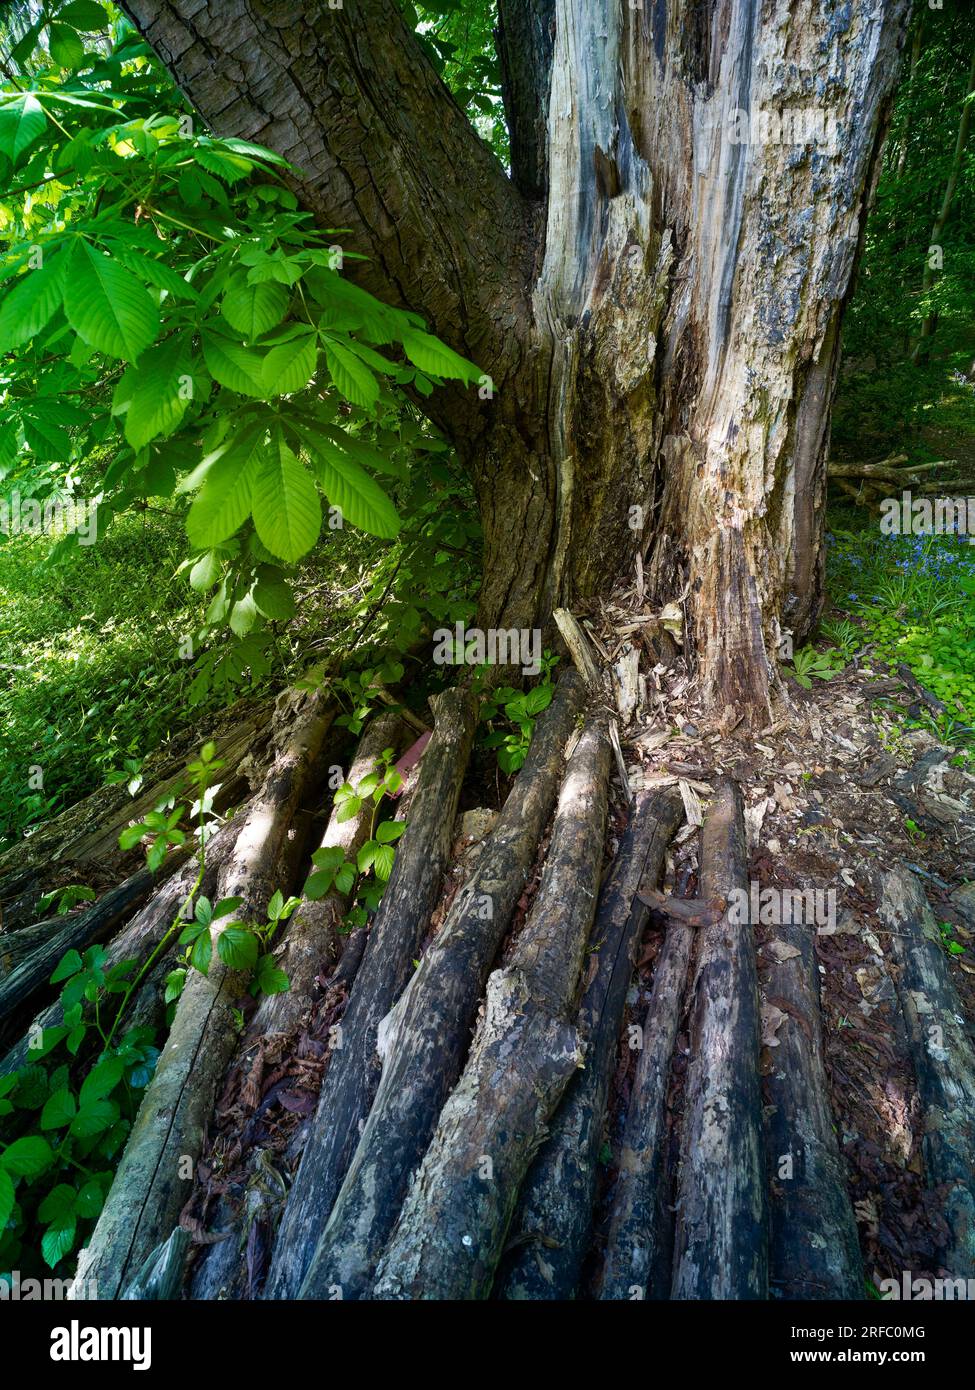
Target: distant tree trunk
column 944, row 211
column 655, row 294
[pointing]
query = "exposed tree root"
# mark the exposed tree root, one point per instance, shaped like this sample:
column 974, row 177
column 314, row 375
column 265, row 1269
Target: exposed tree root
column 452, row 1228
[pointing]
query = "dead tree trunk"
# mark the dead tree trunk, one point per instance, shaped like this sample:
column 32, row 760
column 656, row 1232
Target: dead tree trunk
column 422, row 1041
column 944, row 1061
column 721, row 1245
column 394, row 941
column 553, row 1223
column 451, row 1231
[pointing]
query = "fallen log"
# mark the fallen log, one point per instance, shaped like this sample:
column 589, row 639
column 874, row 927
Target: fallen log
column 422, row 1041
column 550, row 1233
column 636, row 1263
column 155, row 1175
column 721, row 1239
column 77, row 933
column 87, row 833
column 944, row 1061
column 394, row 941
column 139, row 937
column 451, row 1230
column 310, row 944
column 814, row 1251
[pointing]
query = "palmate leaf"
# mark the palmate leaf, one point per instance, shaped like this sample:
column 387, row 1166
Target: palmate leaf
column 351, row 376
column 433, row 356
column 232, row 365
column 157, row 400
column 22, row 121
column 350, row 488
column 224, row 501
column 31, row 302
column 287, row 510
column 106, row 305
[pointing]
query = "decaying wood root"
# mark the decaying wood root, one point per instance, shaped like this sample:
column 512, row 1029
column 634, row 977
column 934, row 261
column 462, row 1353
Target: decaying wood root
column 155, row 1175
column 721, row 1243
column 944, row 1061
column 394, row 940
column 814, row 1252
column 689, row 911
column 552, row 1226
column 423, row 1040
column 452, row 1228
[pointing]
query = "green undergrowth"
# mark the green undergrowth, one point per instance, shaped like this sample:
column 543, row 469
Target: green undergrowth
column 911, row 600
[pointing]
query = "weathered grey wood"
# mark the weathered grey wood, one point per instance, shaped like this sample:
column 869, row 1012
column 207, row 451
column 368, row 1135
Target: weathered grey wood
column 423, row 1040
column 814, row 1252
column 640, row 1225
column 944, row 1061
column 394, row 940
column 451, row 1230
column 550, row 1234
column 721, row 1242
column 155, row 1175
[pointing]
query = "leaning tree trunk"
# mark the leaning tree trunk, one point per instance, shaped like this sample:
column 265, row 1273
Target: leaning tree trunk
column 654, row 295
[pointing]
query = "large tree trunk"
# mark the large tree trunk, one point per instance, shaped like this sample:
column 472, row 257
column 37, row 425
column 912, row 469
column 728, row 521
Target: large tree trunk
column 660, row 331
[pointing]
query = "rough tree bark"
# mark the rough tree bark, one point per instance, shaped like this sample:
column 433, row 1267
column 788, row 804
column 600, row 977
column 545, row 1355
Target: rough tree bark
column 655, row 295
